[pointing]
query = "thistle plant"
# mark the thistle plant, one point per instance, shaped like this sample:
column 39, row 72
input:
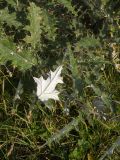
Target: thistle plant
column 59, row 80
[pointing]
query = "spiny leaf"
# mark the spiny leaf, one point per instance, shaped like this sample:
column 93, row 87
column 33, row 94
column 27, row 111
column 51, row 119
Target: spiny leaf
column 49, row 25
column 46, row 88
column 87, row 42
column 8, row 52
column 40, row 23
column 12, row 2
column 9, row 18
column 68, row 5
column 35, row 18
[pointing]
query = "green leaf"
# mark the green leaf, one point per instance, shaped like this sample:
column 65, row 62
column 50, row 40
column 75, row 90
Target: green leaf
column 8, row 52
column 12, row 2
column 9, row 18
column 41, row 23
column 35, row 18
column 87, row 42
column 68, row 5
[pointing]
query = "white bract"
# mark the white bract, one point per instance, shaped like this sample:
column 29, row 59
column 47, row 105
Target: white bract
column 46, row 88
